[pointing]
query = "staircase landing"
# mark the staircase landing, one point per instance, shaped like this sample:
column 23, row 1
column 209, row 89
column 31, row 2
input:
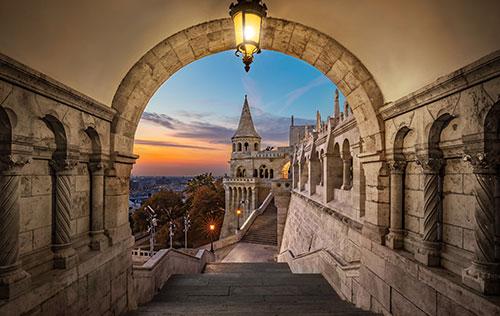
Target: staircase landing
column 248, row 289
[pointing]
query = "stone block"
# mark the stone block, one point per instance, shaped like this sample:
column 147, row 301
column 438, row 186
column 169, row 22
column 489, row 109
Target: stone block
column 42, row 237
column 420, row 294
column 118, row 287
column 25, row 242
column 25, row 186
column 458, row 210
column 35, row 212
column 446, row 307
column 375, row 286
column 373, row 262
column 452, row 235
column 402, row 306
column 469, row 241
column 452, row 183
column 82, row 183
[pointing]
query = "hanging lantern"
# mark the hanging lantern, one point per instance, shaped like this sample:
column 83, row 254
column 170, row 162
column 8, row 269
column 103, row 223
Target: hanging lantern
column 247, row 18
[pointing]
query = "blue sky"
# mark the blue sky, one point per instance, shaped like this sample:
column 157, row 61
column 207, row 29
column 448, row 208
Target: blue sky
column 197, row 109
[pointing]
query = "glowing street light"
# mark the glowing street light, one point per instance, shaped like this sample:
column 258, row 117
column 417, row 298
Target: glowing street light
column 212, row 230
column 247, row 19
column 238, row 213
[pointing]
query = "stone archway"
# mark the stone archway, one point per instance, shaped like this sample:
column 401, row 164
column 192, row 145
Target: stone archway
column 294, row 39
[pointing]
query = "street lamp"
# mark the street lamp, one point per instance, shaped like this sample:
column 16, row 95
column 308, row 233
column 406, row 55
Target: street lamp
column 238, row 213
column 247, row 19
column 212, row 229
column 171, row 229
column 187, row 225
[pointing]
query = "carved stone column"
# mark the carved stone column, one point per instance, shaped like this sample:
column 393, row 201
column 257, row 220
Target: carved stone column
column 484, row 273
column 346, row 181
column 13, row 279
column 394, row 239
column 99, row 240
column 64, row 255
column 429, row 250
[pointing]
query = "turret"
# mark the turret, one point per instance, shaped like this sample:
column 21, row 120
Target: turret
column 246, row 138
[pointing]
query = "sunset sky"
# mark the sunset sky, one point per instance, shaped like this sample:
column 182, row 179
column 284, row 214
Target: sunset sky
column 187, row 126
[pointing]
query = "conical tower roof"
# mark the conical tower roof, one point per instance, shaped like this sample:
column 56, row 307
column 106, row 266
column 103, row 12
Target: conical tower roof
column 246, row 127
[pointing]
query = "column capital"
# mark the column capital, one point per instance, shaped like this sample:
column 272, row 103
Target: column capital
column 430, row 164
column 397, row 166
column 13, row 163
column 482, row 162
column 96, row 167
column 63, row 165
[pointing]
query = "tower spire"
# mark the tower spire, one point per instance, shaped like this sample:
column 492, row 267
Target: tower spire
column 336, row 106
column 245, row 126
column 318, row 122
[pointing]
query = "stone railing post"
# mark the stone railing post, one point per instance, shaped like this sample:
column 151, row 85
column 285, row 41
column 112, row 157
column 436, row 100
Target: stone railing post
column 13, row 279
column 429, row 250
column 394, row 239
column 98, row 238
column 484, row 273
column 64, row 255
column 282, row 191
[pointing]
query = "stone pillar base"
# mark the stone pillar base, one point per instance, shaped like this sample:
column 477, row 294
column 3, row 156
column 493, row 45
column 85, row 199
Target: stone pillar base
column 64, row 257
column 374, row 232
column 394, row 239
column 98, row 240
column 428, row 253
column 13, row 282
column 483, row 277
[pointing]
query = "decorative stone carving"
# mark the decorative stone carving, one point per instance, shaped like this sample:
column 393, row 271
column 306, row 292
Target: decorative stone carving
column 394, row 239
column 484, row 273
column 429, row 250
column 64, row 254
column 13, row 280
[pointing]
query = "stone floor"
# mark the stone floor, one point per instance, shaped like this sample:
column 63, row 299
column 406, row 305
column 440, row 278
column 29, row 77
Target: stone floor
column 247, row 289
column 246, row 252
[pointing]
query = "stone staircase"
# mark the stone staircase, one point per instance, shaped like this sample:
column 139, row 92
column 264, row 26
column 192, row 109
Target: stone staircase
column 264, row 228
column 247, row 289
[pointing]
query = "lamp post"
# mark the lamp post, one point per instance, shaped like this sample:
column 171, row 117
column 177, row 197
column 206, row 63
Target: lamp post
column 238, row 213
column 153, row 222
column 171, row 228
column 212, row 230
column 187, row 225
column 247, row 19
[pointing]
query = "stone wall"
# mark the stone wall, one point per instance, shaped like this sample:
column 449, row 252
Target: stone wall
column 64, row 233
column 439, row 255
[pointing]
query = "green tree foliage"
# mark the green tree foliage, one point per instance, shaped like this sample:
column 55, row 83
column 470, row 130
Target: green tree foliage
column 203, row 199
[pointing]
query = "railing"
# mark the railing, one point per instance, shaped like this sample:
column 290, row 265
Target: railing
column 150, row 277
column 230, row 240
column 309, row 262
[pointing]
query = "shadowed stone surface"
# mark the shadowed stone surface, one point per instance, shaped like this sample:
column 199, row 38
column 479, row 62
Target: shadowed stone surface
column 248, row 288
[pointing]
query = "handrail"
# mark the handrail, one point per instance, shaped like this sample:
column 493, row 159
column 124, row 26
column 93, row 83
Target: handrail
column 257, row 211
column 337, row 259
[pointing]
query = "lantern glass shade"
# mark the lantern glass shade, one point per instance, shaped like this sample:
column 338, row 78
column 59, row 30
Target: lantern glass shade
column 247, row 32
column 247, row 19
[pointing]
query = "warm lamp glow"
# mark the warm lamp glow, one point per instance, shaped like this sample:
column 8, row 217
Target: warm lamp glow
column 212, row 227
column 238, row 212
column 247, row 19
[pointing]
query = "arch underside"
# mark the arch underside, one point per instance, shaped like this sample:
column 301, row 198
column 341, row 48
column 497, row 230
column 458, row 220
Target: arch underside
column 294, row 39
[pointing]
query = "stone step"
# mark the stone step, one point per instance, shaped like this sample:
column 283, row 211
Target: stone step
column 247, row 289
column 260, row 267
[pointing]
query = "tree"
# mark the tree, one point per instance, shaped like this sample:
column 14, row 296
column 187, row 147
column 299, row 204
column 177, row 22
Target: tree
column 167, row 203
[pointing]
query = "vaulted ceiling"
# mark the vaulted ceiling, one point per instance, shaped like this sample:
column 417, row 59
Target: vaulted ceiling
column 90, row 45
